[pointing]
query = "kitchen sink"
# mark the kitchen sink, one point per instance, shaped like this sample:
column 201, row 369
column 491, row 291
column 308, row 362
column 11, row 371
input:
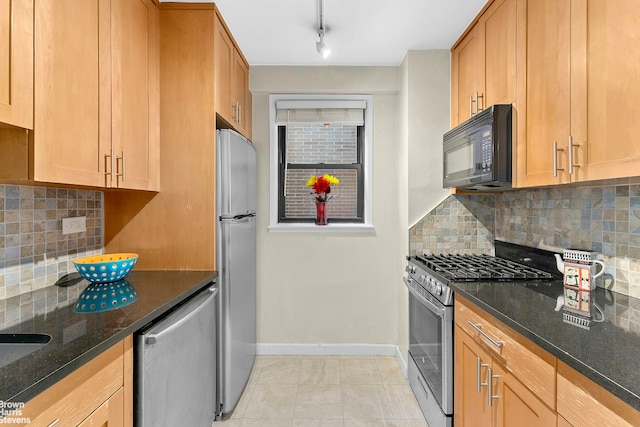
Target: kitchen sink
column 15, row 346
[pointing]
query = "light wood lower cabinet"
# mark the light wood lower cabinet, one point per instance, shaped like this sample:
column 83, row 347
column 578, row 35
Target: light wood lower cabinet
column 501, row 378
column 470, row 376
column 581, row 402
column 514, row 404
column 529, row 387
column 534, row 367
column 99, row 393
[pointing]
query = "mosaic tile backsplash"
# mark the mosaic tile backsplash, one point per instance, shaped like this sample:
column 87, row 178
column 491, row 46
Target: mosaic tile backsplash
column 33, row 251
column 604, row 219
column 460, row 224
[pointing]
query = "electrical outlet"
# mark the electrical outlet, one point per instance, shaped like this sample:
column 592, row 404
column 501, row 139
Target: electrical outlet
column 76, row 224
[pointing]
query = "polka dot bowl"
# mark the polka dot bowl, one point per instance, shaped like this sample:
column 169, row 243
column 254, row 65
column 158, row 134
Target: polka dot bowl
column 97, row 297
column 105, row 268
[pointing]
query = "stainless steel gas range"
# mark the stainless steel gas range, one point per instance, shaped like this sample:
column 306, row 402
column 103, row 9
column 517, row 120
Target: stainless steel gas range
column 431, row 323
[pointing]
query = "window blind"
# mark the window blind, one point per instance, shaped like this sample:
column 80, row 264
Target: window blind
column 326, row 112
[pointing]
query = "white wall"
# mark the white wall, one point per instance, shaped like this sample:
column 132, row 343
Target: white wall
column 347, row 289
column 424, row 117
column 333, row 288
column 427, row 120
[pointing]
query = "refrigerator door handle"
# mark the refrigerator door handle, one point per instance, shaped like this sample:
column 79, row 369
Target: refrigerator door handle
column 153, row 338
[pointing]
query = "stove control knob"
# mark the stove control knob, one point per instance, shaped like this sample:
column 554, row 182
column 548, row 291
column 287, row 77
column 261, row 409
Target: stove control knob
column 407, row 269
column 413, row 269
column 422, row 278
column 439, row 290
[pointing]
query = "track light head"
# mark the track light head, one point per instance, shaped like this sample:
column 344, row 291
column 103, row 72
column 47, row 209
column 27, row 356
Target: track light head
column 321, row 47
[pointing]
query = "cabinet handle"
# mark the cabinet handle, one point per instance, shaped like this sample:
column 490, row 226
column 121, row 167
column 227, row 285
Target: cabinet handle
column 490, row 379
column 570, row 148
column 123, row 173
column 54, row 423
column 555, row 159
column 239, row 114
column 471, row 101
column 479, row 96
column 234, row 105
column 479, row 366
column 478, row 327
column 110, row 173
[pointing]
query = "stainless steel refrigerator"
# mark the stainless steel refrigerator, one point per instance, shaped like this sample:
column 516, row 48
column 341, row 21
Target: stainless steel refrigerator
column 236, row 264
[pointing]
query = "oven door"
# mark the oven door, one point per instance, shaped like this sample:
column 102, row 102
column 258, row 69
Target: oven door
column 431, row 342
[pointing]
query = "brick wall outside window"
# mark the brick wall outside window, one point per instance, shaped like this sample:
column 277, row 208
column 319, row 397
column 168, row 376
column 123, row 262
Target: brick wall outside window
column 321, row 144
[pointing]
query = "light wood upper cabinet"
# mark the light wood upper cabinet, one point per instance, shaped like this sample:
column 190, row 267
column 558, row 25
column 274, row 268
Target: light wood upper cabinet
column 232, row 96
column 465, row 77
column 498, row 29
column 96, row 97
column 605, row 87
column 483, row 63
column 16, row 63
column 135, row 118
column 543, row 92
column 577, row 88
column 69, row 73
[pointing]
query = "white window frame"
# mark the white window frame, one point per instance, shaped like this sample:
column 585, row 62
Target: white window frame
column 365, row 227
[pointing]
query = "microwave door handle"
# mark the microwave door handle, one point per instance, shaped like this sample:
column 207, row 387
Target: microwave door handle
column 428, row 304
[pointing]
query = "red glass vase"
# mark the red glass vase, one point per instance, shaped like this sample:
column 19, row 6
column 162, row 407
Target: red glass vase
column 321, row 213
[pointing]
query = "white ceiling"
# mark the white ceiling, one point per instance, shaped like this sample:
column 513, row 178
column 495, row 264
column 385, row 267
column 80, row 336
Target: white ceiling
column 359, row 32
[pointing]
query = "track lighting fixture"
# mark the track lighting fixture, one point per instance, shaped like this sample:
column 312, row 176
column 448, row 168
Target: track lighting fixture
column 322, row 48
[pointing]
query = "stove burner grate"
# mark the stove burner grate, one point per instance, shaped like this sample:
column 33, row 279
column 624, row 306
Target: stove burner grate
column 481, row 267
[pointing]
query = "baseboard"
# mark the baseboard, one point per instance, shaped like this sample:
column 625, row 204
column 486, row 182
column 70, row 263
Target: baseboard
column 328, row 350
column 402, row 361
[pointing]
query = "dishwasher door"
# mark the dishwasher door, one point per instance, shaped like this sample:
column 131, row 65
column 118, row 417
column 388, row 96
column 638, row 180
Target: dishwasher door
column 176, row 367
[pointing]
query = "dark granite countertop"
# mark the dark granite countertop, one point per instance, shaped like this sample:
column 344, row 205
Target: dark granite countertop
column 607, row 352
column 76, row 338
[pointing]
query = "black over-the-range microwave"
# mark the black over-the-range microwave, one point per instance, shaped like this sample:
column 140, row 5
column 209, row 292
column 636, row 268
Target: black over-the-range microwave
column 477, row 152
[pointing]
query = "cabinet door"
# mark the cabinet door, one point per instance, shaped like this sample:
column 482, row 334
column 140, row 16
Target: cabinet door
column 583, row 403
column 466, row 76
column 470, row 375
column 16, row 63
column 605, row 88
column 68, row 74
column 135, row 93
column 514, row 405
column 240, row 92
column 543, row 80
column 498, row 33
column 224, row 51
column 109, row 414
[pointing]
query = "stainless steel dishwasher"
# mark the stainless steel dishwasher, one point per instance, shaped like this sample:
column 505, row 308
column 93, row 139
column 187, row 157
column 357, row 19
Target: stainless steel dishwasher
column 175, row 362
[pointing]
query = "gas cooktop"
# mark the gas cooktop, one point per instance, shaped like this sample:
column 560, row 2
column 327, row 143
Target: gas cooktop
column 482, row 267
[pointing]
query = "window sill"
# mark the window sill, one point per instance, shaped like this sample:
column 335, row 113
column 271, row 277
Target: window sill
column 326, row 229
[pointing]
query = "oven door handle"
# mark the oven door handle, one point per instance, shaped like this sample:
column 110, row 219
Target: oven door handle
column 428, row 304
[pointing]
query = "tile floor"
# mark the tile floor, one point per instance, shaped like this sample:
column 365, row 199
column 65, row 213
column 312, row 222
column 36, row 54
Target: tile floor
column 326, row 391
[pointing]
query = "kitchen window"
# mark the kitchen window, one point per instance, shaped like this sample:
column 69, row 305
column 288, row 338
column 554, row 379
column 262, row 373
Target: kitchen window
column 317, row 135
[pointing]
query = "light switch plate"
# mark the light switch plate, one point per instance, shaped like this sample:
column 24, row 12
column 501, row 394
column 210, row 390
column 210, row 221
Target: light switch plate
column 76, row 224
